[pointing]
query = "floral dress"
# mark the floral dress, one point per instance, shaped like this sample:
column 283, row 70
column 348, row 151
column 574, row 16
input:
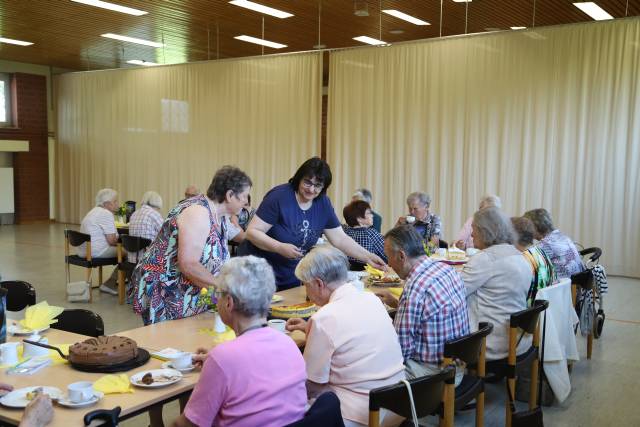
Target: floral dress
column 160, row 292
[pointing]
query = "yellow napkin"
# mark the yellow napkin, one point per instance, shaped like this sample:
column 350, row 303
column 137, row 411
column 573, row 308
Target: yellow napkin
column 219, row 337
column 110, row 384
column 40, row 316
column 396, row 292
column 373, row 271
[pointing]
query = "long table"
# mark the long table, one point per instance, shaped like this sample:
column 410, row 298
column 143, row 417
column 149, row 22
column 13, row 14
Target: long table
column 184, row 334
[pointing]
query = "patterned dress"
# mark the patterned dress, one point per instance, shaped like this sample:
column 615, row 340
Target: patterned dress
column 160, row 292
column 544, row 273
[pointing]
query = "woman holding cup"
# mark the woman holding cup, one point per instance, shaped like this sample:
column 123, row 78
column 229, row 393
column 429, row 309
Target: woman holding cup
column 426, row 223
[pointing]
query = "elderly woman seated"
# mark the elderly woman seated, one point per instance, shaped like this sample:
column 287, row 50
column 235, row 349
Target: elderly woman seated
column 359, row 227
column 351, row 346
column 146, row 221
column 426, row 223
column 100, row 224
column 559, row 247
column 496, row 280
column 257, row 379
column 544, row 273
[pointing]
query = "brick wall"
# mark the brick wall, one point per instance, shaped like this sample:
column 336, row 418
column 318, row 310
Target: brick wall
column 31, row 169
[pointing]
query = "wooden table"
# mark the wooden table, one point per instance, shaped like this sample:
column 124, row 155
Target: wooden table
column 184, row 334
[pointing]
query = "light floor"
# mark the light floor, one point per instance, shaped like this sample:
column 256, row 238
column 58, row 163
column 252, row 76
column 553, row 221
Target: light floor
column 604, row 388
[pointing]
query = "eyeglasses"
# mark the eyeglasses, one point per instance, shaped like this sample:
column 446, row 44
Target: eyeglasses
column 307, row 183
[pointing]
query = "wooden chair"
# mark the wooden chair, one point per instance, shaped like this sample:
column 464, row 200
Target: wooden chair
column 80, row 321
column 431, row 394
column 131, row 244
column 471, row 350
column 19, row 294
column 75, row 238
column 520, row 323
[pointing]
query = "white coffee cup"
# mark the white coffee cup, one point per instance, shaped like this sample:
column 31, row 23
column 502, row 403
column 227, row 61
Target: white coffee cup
column 81, row 391
column 9, row 353
column 277, row 324
column 182, row 362
column 410, row 219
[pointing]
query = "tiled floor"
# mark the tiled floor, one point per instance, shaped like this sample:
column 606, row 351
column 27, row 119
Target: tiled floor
column 604, row 392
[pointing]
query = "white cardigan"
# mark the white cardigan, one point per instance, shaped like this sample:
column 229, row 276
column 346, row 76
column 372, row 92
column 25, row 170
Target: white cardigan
column 497, row 280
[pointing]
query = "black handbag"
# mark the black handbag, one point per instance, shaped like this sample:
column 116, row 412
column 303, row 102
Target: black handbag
column 532, row 417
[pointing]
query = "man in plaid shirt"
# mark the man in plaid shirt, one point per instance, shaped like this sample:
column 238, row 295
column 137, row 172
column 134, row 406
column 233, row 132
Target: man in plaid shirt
column 432, row 308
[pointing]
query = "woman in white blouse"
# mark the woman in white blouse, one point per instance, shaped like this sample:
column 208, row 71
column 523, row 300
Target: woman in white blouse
column 496, row 280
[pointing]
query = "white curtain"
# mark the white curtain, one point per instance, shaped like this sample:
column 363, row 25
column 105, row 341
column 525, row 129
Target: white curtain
column 166, row 127
column 543, row 118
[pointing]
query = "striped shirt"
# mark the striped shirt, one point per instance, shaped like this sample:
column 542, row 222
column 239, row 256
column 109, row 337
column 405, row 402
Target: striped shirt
column 145, row 222
column 432, row 310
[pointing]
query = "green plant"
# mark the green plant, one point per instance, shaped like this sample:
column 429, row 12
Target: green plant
column 208, row 299
column 122, row 210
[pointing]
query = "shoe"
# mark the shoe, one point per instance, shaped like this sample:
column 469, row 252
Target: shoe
column 108, row 290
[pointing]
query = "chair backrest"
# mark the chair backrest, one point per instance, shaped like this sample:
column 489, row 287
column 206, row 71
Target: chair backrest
column 443, row 244
column 427, row 392
column 527, row 320
column 595, row 253
column 19, row 294
column 325, row 412
column 76, row 238
column 467, row 348
column 134, row 243
column 584, row 279
column 80, row 321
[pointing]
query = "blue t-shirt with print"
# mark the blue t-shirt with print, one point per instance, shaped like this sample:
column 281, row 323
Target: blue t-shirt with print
column 290, row 224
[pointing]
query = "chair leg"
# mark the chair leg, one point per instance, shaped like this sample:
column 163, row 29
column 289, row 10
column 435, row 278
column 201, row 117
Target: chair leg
column 90, row 285
column 480, row 410
column 533, row 387
column 120, row 287
column 512, row 392
column 589, row 345
column 374, row 418
column 100, row 276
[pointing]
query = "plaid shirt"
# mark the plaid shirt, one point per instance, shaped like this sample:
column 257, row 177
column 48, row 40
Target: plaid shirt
column 432, row 310
column 145, row 222
column 367, row 237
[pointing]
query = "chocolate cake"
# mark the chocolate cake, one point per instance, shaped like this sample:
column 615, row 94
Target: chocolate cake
column 103, row 350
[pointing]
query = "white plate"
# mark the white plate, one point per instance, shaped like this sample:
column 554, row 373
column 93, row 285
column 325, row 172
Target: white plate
column 18, row 398
column 64, row 401
column 169, row 365
column 176, row 375
column 17, row 329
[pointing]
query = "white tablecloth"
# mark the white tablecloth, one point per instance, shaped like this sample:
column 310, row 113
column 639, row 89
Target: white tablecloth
column 560, row 339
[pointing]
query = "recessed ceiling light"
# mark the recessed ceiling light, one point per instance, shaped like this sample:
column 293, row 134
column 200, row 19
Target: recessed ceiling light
column 257, row 7
column 319, row 46
column 369, row 40
column 462, row 1
column 405, row 17
column 397, row 31
column 16, row 42
column 262, row 42
column 141, row 62
column 593, row 10
column 112, row 6
column 493, row 29
column 518, row 28
column 132, row 40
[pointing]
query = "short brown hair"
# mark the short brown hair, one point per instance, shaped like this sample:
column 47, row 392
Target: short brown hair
column 525, row 230
column 355, row 210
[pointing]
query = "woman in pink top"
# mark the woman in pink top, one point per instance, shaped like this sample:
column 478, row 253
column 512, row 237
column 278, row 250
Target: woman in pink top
column 258, row 379
column 352, row 346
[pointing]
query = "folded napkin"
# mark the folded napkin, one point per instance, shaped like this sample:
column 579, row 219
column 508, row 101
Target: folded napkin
column 219, row 337
column 373, row 271
column 40, row 316
column 110, row 384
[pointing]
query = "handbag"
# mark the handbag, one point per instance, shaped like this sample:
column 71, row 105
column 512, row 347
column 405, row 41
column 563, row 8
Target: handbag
column 78, row 291
column 532, row 417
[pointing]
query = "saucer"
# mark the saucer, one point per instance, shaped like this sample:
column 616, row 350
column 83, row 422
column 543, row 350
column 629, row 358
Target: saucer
column 64, row 401
column 169, row 365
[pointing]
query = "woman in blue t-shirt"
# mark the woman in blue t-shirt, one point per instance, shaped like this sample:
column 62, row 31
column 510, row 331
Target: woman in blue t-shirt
column 293, row 216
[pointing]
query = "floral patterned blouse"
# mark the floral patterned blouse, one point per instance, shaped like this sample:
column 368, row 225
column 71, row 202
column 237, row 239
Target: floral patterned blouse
column 160, row 292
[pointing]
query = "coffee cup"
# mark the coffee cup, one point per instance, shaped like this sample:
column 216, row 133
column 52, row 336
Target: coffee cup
column 183, row 362
column 9, row 353
column 410, row 219
column 80, row 392
column 277, row 324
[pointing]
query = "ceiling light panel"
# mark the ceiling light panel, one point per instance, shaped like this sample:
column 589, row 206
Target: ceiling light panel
column 112, row 6
column 405, row 17
column 593, row 10
column 261, row 42
column 370, row 40
column 132, row 40
column 260, row 8
column 13, row 41
column 141, row 62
